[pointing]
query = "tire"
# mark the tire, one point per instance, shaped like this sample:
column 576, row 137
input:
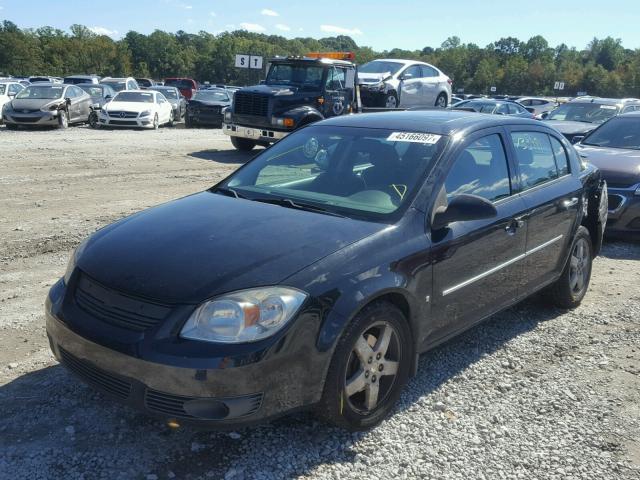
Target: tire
column 172, row 120
column 360, row 389
column 391, row 100
column 63, row 120
column 11, row 126
column 93, row 120
column 243, row 144
column 187, row 121
column 441, row 101
column 569, row 290
column 156, row 122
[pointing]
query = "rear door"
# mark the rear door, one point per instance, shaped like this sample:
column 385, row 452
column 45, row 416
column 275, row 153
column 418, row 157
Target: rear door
column 553, row 197
column 431, row 84
column 477, row 265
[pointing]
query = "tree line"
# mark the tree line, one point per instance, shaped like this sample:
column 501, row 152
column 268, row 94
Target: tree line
column 605, row 67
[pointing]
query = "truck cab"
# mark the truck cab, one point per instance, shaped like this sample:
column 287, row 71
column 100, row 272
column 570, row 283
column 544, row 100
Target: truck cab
column 297, row 91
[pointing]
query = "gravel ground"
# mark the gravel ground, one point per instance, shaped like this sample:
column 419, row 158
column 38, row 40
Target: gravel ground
column 535, row 392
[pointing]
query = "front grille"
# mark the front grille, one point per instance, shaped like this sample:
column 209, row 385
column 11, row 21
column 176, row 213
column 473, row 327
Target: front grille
column 123, row 122
column 207, row 110
column 96, row 376
column 245, row 103
column 166, row 403
column 120, row 114
column 116, row 308
column 26, row 119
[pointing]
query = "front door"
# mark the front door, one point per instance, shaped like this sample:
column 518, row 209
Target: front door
column 337, row 95
column 477, row 264
column 411, row 93
column 552, row 195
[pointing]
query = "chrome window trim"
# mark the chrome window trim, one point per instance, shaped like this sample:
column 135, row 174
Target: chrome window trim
column 500, row 266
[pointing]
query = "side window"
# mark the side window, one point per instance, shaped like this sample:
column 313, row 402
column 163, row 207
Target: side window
column 535, row 158
column 513, row 108
column 414, row 71
column 336, row 79
column 15, row 89
column 481, row 169
column 562, row 160
column 428, row 71
column 527, row 103
column 503, row 108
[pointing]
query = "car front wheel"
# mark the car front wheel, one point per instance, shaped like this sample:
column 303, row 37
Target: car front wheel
column 63, row 119
column 391, row 100
column 569, row 290
column 369, row 368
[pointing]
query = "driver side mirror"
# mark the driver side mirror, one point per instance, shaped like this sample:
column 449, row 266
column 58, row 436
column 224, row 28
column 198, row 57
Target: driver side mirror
column 577, row 139
column 544, row 115
column 406, row 76
column 108, row 97
column 463, row 208
column 67, row 100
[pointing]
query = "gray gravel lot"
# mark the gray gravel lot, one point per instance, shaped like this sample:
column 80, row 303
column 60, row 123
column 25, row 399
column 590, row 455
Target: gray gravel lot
column 535, row 392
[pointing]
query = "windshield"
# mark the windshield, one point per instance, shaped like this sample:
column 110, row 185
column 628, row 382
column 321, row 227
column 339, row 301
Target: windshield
column 616, row 133
column 118, row 86
column 367, row 173
column 42, row 92
column 584, row 112
column 378, row 66
column 134, row 97
column 304, row 76
column 93, row 91
column 209, row 96
column 183, row 84
column 482, row 107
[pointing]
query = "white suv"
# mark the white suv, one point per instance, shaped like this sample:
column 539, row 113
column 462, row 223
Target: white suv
column 393, row 83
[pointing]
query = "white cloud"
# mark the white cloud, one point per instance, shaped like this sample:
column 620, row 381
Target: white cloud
column 252, row 27
column 340, row 30
column 185, row 6
column 283, row 27
column 212, row 14
column 269, row 13
column 103, row 31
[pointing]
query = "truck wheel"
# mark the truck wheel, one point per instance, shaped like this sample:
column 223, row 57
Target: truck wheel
column 370, row 367
column 441, row 101
column 63, row 120
column 391, row 100
column 243, row 144
column 569, row 290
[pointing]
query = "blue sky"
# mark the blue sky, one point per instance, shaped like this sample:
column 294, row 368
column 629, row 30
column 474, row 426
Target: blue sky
column 381, row 24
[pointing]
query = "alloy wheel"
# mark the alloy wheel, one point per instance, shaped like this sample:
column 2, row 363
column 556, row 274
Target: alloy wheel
column 372, row 367
column 579, row 266
column 391, row 102
column 441, row 101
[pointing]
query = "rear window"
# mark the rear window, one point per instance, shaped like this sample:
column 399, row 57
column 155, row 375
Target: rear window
column 179, row 83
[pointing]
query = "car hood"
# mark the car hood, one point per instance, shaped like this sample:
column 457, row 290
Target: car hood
column 34, row 103
column 571, row 128
column 619, row 166
column 129, row 106
column 191, row 249
column 272, row 90
column 371, row 78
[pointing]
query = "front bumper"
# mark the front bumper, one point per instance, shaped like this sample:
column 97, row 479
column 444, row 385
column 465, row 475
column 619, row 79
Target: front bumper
column 205, row 117
column 35, row 118
column 214, row 392
column 137, row 122
column 372, row 98
column 258, row 134
column 624, row 211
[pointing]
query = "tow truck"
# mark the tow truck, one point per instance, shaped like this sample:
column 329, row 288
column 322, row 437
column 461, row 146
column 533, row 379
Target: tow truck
column 297, row 91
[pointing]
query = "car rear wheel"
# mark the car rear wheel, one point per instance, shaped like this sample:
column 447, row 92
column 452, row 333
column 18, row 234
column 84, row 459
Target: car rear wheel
column 187, row 121
column 243, row 144
column 441, row 101
column 369, row 368
column 569, row 290
column 63, row 119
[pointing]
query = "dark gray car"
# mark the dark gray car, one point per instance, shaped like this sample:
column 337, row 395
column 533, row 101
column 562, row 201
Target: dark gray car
column 614, row 148
column 496, row 107
column 48, row 104
column 100, row 95
column 176, row 99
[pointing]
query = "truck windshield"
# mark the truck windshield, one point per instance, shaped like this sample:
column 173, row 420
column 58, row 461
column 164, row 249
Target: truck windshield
column 360, row 172
column 304, row 76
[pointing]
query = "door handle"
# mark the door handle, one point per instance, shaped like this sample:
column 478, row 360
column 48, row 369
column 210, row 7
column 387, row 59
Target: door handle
column 513, row 225
column 570, row 203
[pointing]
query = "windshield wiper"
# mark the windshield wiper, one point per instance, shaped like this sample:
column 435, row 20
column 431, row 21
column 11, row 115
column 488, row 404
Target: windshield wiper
column 287, row 202
column 229, row 192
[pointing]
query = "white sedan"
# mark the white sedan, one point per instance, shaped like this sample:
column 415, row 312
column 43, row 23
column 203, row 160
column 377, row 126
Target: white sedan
column 137, row 108
column 8, row 91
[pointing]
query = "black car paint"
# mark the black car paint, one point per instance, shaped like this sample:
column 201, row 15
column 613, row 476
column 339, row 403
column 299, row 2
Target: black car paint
column 189, row 250
column 206, row 112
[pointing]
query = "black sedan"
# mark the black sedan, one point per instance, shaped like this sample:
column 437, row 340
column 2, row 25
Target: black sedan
column 176, row 99
column 318, row 272
column 100, row 96
column 205, row 107
column 614, row 148
column 496, row 107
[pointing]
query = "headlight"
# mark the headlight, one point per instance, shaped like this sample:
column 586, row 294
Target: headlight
column 376, row 86
column 146, row 113
column 71, row 265
column 282, row 122
column 227, row 115
column 244, row 316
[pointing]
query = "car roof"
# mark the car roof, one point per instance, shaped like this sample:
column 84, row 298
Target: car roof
column 399, row 60
column 629, row 114
column 51, row 84
column 604, row 101
column 441, row 122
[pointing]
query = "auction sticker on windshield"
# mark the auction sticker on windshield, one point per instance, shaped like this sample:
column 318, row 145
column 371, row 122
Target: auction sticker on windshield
column 428, row 138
